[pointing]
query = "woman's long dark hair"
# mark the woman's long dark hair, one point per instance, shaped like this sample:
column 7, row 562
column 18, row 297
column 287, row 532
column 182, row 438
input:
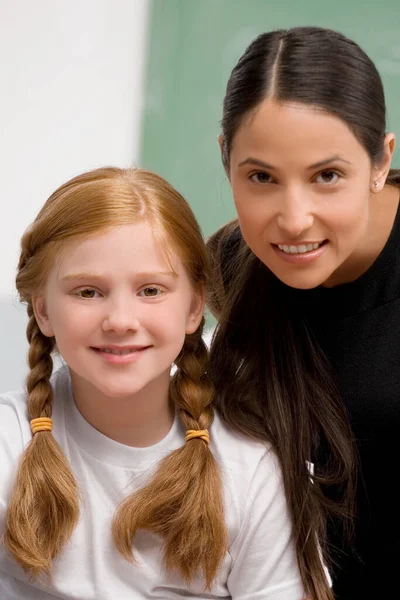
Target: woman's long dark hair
column 272, row 380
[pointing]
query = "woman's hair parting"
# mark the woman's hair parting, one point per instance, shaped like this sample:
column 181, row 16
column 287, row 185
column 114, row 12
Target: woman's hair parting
column 271, row 379
column 312, row 66
column 182, row 502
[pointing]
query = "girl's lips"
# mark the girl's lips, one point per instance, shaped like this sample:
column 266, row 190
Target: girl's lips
column 303, row 258
column 120, row 356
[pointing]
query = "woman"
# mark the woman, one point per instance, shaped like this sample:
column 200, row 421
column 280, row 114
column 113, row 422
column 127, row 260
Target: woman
column 306, row 284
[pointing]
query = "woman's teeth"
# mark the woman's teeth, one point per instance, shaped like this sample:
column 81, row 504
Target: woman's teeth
column 299, row 249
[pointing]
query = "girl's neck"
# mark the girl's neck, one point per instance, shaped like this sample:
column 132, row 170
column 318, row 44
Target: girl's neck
column 141, row 420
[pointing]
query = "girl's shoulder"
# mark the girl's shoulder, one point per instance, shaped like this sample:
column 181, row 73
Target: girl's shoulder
column 14, row 419
column 238, row 444
column 257, row 516
column 14, row 436
column 241, row 455
column 15, row 431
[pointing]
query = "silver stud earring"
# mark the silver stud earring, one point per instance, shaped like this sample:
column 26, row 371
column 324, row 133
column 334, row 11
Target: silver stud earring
column 375, row 184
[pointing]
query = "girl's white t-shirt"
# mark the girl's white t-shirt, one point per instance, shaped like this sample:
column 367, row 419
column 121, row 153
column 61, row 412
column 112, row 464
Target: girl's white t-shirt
column 260, row 563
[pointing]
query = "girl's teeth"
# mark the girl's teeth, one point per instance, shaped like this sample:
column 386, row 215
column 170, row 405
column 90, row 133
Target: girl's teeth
column 299, row 249
column 119, row 352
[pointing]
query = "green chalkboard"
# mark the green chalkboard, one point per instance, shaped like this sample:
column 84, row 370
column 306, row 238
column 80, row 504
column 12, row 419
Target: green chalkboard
column 194, row 44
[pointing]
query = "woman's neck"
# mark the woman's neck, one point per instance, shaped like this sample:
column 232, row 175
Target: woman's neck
column 383, row 212
column 139, row 421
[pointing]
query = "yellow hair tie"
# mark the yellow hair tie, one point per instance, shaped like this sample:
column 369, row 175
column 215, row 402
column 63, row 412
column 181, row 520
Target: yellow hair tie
column 41, row 424
column 203, row 434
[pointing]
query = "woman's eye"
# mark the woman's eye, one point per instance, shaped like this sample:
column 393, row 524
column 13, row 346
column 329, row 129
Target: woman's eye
column 327, row 177
column 150, row 291
column 261, row 177
column 87, row 293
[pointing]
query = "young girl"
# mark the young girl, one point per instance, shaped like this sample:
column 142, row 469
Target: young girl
column 311, row 275
column 117, row 482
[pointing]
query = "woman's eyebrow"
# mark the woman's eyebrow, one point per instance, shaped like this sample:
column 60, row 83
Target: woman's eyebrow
column 326, row 161
column 257, row 163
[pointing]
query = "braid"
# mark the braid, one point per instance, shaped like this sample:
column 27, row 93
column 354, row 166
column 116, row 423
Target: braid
column 183, row 501
column 41, row 367
column 43, row 509
column 191, row 388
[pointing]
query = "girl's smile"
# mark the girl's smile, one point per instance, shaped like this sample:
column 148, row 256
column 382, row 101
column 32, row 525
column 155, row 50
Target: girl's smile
column 120, row 312
column 121, row 355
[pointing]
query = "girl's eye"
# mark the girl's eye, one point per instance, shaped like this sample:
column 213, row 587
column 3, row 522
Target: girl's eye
column 328, row 177
column 151, row 291
column 261, row 177
column 88, row 293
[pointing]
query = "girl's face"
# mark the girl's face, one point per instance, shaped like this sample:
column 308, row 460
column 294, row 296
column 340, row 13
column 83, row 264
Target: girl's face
column 118, row 312
column 302, row 186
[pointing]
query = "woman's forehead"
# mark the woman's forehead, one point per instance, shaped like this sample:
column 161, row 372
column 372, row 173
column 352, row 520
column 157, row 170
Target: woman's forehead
column 293, row 131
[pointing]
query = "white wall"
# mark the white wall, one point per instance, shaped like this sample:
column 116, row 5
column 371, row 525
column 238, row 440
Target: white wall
column 71, row 80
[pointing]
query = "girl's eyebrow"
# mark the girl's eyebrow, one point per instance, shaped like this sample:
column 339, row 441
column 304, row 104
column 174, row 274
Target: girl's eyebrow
column 94, row 276
column 87, row 275
column 151, row 274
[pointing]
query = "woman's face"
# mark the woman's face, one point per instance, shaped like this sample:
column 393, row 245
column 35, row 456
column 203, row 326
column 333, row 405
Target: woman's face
column 302, row 186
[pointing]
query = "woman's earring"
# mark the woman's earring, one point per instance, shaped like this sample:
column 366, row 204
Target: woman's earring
column 375, row 185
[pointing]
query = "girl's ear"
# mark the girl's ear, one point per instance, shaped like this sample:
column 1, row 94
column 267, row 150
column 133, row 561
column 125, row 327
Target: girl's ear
column 196, row 310
column 41, row 315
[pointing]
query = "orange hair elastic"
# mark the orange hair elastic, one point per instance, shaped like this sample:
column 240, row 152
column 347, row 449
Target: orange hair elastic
column 203, row 434
column 41, row 424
